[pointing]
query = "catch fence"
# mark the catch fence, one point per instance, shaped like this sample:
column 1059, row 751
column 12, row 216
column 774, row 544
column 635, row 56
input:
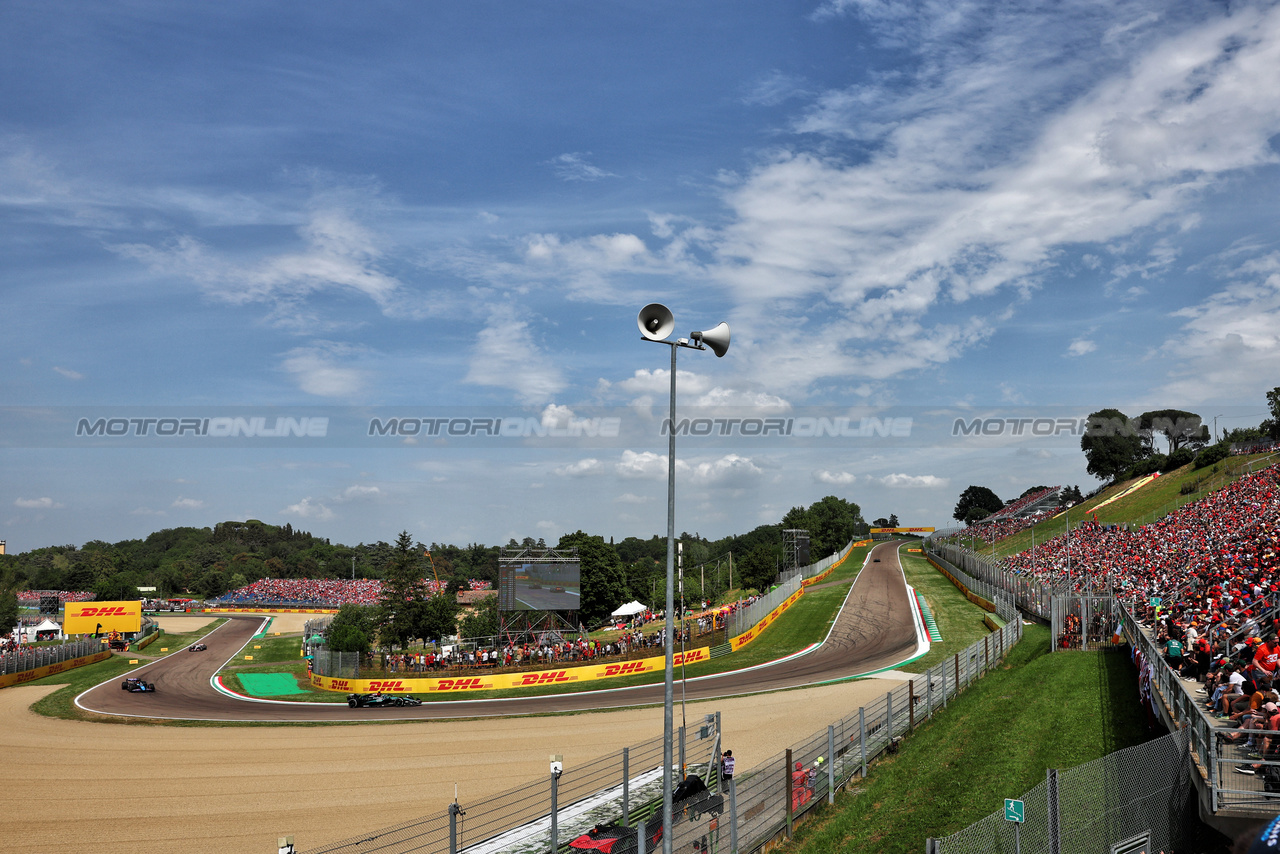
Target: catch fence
column 1137, row 799
column 41, row 656
column 1030, row 595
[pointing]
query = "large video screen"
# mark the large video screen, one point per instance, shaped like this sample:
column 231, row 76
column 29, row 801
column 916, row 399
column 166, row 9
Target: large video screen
column 540, row 586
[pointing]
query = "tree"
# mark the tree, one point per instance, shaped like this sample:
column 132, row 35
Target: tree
column 758, row 567
column 831, row 523
column 1272, row 424
column 893, row 520
column 976, row 498
column 437, row 617
column 8, row 611
column 403, row 592
column 1179, row 428
column 351, row 630
column 603, row 588
column 482, row 622
column 1112, row 442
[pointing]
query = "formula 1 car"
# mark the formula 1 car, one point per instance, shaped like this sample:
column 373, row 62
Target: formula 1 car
column 134, row 685
column 197, row 647
column 380, row 700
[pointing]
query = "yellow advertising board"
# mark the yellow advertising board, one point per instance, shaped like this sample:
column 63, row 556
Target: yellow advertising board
column 486, row 680
column 84, row 618
column 51, row 669
column 754, row 632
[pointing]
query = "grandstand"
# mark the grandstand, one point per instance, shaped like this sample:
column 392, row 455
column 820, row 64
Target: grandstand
column 1018, row 515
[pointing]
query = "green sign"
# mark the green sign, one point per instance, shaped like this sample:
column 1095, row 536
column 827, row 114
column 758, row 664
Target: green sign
column 1013, row 811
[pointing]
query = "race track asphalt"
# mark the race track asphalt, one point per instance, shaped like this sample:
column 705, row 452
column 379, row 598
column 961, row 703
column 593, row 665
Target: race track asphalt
column 873, row 631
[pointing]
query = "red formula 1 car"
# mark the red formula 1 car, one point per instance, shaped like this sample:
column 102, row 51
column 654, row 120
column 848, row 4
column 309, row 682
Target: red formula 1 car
column 616, row 839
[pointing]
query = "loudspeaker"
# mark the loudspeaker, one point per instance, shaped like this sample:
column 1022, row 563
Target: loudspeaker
column 717, row 339
column 655, row 321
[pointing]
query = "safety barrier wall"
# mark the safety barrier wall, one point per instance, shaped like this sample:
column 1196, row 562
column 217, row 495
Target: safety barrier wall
column 88, row 653
column 239, row 610
column 483, row 679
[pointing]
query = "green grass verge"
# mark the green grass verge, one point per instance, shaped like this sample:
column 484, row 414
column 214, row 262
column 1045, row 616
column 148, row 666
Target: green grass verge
column 960, row 622
column 270, row 650
column 61, row 703
column 994, row 741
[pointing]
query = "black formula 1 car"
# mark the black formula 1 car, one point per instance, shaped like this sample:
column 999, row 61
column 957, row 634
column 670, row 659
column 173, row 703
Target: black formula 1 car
column 197, row 647
column 380, row 700
column 135, row 685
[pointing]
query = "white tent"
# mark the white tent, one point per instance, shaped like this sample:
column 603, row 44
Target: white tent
column 629, row 610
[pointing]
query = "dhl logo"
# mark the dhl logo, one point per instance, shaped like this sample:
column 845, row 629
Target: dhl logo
column 748, row 636
column 468, row 684
column 688, row 657
column 544, row 678
column 397, row 685
column 117, row 611
column 623, row 669
column 341, row 685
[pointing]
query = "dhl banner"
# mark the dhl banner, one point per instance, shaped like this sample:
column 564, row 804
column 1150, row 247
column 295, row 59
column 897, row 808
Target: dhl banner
column 83, row 618
column 503, row 681
column 754, row 632
column 268, row 610
column 50, row 669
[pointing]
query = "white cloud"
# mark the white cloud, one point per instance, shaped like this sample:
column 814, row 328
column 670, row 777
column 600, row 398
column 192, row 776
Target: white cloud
column 337, row 253
column 146, row 511
column 37, row 504
column 730, row 470
column 1081, row 347
column 358, row 492
column 910, row 481
column 573, row 166
column 835, row 478
column 317, row 369
column 580, row 468
column 68, row 373
column 507, row 356
column 632, row 498
column 181, row 503
column 1228, row 341
column 644, row 464
column 308, row 509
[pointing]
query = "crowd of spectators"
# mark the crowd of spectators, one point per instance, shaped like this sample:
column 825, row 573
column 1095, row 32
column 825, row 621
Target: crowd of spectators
column 1212, row 558
column 321, row 592
column 305, row 592
column 1011, row 519
column 31, row 598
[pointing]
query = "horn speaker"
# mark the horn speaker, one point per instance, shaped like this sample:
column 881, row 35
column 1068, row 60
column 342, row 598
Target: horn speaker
column 656, row 321
column 717, row 338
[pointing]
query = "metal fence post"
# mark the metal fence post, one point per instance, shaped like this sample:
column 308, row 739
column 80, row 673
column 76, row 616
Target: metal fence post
column 957, row 673
column 986, row 652
column 790, row 794
column 928, row 693
column 944, row 684
column 889, row 698
column 555, row 842
column 626, row 787
column 454, row 812
column 682, row 763
column 733, row 817
column 831, row 764
column 640, row 841
column 862, row 738
column 1055, row 841
column 911, row 705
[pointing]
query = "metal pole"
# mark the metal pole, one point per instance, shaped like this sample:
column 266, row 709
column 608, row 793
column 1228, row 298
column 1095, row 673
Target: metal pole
column 733, row 815
column 555, row 829
column 682, row 760
column 626, row 787
column 668, row 691
column 862, row 738
column 1055, row 840
column 454, row 812
column 790, row 794
column 831, row 764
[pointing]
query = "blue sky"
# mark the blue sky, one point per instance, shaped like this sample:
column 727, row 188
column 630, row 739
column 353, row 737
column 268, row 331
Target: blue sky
column 918, row 209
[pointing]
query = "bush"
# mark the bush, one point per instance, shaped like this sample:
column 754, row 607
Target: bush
column 1213, row 454
column 1150, row 465
column 1178, row 459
